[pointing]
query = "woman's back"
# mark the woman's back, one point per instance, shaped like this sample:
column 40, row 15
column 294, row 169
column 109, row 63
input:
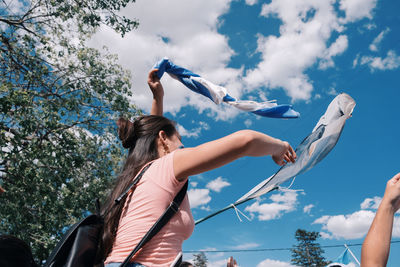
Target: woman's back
column 155, row 191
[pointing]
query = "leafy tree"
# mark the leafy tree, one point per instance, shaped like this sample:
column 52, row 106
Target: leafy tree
column 59, row 100
column 308, row 252
column 200, row 260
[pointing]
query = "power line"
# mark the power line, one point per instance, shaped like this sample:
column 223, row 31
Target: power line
column 272, row 249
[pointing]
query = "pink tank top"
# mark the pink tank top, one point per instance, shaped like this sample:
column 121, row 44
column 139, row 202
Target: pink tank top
column 155, row 191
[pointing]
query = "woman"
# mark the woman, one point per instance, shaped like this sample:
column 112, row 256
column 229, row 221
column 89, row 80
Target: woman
column 154, row 139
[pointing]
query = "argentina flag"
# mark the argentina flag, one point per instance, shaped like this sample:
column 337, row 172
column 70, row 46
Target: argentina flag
column 219, row 94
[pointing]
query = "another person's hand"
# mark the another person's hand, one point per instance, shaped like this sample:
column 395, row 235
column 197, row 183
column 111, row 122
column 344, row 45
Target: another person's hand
column 392, row 193
column 155, row 84
column 231, row 262
column 284, row 155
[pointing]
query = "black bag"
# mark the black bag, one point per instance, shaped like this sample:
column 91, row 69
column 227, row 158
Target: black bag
column 79, row 246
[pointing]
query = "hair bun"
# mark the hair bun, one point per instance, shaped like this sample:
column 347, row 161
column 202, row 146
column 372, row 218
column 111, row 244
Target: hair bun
column 126, row 132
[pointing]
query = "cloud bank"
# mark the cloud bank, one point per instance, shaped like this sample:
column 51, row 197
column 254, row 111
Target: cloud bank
column 354, row 225
column 311, row 34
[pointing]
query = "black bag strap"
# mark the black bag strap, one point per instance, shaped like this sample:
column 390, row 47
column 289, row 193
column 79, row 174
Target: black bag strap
column 132, row 186
column 163, row 220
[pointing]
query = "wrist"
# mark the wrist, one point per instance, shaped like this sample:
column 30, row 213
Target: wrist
column 278, row 147
column 158, row 97
column 388, row 205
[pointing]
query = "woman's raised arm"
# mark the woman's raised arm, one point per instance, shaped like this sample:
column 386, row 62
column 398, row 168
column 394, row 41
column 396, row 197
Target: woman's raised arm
column 376, row 246
column 158, row 93
column 211, row 155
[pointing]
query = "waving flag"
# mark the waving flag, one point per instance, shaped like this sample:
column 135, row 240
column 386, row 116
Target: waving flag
column 219, row 94
column 312, row 150
column 344, row 260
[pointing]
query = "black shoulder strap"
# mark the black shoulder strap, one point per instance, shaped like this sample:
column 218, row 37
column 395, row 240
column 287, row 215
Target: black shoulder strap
column 165, row 217
column 133, row 184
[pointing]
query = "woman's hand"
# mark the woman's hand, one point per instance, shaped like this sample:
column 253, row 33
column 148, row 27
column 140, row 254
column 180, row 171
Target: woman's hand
column 155, row 85
column 158, row 93
column 231, row 262
column 392, row 193
column 284, row 155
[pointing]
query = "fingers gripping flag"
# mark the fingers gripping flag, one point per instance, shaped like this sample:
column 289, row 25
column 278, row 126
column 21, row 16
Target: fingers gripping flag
column 219, row 94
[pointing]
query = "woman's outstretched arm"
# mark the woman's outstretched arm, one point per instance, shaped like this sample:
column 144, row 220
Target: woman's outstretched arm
column 376, row 246
column 211, row 155
column 158, row 93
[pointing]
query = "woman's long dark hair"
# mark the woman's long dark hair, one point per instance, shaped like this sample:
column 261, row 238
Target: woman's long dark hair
column 141, row 139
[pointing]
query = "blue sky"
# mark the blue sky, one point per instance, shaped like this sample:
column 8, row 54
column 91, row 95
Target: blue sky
column 302, row 52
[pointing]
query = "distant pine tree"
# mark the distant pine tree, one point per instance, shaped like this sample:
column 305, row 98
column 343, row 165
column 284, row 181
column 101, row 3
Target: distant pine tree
column 308, row 252
column 200, row 260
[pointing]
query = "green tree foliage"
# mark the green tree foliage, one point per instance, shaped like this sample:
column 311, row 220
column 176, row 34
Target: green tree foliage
column 59, row 100
column 308, row 252
column 200, row 260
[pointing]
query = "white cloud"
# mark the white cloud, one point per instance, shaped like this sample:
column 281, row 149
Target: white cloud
column 217, row 184
column 307, row 209
column 371, row 203
column 282, row 203
column 268, row 212
column 195, row 132
column 206, row 208
column 287, row 196
column 248, row 123
column 390, row 62
column 251, row 2
column 354, row 225
column 332, row 91
column 376, row 42
column 246, row 246
column 337, row 48
column 357, row 9
column 273, row 263
column 355, row 61
column 198, row 197
column 350, row 226
column 307, row 26
column 325, row 235
column 370, row 26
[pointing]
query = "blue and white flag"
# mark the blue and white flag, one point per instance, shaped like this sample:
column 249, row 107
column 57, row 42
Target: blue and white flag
column 219, row 94
column 342, row 260
column 314, row 148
